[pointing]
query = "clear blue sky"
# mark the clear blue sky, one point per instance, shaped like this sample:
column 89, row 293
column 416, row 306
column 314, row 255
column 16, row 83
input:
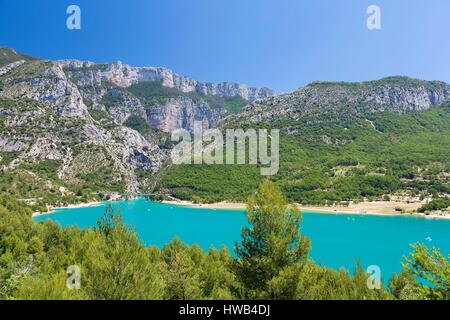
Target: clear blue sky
column 281, row 44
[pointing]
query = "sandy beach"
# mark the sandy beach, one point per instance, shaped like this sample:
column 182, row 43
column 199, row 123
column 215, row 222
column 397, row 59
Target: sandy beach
column 70, row 206
column 383, row 208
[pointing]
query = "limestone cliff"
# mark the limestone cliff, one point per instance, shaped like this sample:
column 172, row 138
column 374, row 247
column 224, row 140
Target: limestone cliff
column 340, row 101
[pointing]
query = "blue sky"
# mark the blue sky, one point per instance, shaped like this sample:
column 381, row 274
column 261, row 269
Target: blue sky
column 282, row 44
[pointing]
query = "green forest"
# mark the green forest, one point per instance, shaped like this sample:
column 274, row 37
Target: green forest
column 270, row 262
column 387, row 153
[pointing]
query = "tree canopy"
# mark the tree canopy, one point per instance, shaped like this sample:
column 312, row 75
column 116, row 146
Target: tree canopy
column 271, row 262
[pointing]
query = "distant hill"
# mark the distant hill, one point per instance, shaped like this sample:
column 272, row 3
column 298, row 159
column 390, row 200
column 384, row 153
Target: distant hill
column 340, row 142
column 71, row 129
column 75, row 128
column 327, row 102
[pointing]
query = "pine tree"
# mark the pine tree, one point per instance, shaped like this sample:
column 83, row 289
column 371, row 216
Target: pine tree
column 432, row 267
column 271, row 245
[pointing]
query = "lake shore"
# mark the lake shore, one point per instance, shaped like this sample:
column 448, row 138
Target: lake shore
column 379, row 208
column 70, row 206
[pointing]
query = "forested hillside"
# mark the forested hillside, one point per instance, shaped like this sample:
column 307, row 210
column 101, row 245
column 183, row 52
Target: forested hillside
column 350, row 156
column 72, row 130
column 114, row 264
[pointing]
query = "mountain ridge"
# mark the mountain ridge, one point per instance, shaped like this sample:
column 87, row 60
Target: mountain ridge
column 125, row 75
column 348, row 100
column 71, row 128
column 339, row 142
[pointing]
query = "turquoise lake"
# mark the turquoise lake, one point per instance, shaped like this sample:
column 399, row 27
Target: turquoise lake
column 338, row 240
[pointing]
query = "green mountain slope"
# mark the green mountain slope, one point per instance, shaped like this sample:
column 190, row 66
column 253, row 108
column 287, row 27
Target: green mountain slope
column 72, row 128
column 381, row 154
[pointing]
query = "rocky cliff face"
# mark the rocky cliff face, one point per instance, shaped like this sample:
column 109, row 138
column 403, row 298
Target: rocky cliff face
column 124, row 75
column 337, row 102
column 85, row 116
column 177, row 103
column 188, row 101
column 181, row 112
column 44, row 117
column 45, row 82
column 110, row 121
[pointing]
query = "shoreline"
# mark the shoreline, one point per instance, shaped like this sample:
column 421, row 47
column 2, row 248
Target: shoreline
column 381, row 208
column 70, row 206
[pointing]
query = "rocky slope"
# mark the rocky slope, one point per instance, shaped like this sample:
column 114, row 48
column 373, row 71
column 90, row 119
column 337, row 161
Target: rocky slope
column 74, row 123
column 339, row 142
column 100, row 122
column 321, row 102
column 124, row 75
column 182, row 100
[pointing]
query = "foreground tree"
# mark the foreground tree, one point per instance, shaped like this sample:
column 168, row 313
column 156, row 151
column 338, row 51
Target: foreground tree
column 116, row 265
column 272, row 262
column 323, row 283
column 182, row 272
column 271, row 247
column 404, row 286
column 433, row 268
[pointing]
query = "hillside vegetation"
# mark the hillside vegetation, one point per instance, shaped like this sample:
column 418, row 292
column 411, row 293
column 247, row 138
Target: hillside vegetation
column 385, row 153
column 70, row 130
column 114, row 264
column 97, row 127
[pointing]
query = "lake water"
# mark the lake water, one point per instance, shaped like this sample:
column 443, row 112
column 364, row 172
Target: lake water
column 338, row 240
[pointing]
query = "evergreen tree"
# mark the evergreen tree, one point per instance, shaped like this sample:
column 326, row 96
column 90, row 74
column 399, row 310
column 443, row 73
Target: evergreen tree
column 271, row 244
column 433, row 268
column 404, row 286
column 117, row 265
column 182, row 273
column 216, row 276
